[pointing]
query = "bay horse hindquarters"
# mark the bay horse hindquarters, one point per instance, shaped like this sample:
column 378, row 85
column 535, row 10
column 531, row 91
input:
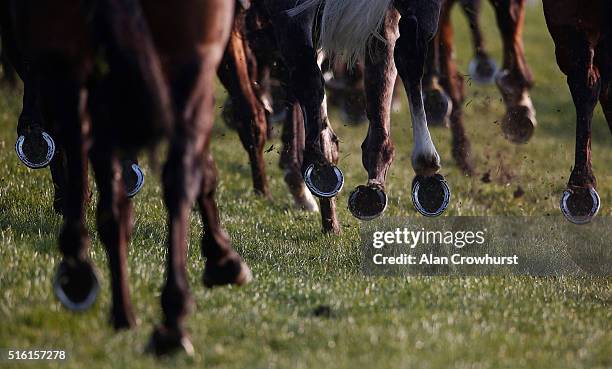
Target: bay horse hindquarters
column 125, row 106
column 582, row 33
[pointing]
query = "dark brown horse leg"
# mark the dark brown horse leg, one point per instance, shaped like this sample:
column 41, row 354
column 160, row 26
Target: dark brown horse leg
column 369, row 201
column 417, row 26
column 330, row 147
column 438, row 105
column 514, row 79
column 75, row 284
column 321, row 175
column 114, row 220
column 452, row 82
column 186, row 169
column 223, row 264
column 248, row 112
column 292, row 155
column 35, row 147
column 482, row 68
column 575, row 55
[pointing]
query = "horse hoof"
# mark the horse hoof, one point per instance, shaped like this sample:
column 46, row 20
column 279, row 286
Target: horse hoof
column 430, row 195
column 36, row 149
column 519, row 124
column 482, row 70
column 165, row 342
column 438, row 106
column 305, row 201
column 580, row 205
column 367, row 202
column 229, row 270
column 133, row 177
column 324, row 180
column 76, row 284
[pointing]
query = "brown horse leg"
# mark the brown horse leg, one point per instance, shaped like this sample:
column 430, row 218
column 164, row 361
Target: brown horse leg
column 482, row 68
column 249, row 114
column 321, row 175
column 291, row 158
column 223, row 264
column 186, row 169
column 75, row 284
column 58, row 176
column 369, row 201
column 452, row 82
column 575, row 53
column 471, row 8
column 438, row 105
column 330, row 146
column 514, row 79
column 114, row 220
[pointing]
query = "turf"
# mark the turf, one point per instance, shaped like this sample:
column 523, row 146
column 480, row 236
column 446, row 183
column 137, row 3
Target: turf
column 309, row 305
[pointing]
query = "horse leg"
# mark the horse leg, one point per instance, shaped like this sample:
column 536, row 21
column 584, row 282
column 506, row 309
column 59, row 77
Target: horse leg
column 417, row 27
column 192, row 81
column 330, row 146
column 223, row 264
column 114, row 221
column 452, row 81
column 322, row 176
column 482, row 68
column 438, row 105
column 291, row 157
column 514, row 79
column 369, row 201
column 249, row 114
column 575, row 55
column 35, row 147
column 75, row 283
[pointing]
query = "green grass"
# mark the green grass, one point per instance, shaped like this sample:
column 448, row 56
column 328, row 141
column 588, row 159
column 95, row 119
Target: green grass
column 374, row 322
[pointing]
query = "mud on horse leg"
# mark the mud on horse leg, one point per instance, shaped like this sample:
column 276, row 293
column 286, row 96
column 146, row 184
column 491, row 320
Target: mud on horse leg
column 417, row 26
column 514, row 79
column 369, row 201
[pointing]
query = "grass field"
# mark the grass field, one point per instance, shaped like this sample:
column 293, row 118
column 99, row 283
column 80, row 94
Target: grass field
column 368, row 322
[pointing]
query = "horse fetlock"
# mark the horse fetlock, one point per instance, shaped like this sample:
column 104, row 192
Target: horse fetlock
column 425, row 163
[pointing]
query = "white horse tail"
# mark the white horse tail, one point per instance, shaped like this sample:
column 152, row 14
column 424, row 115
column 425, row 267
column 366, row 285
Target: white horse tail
column 347, row 26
